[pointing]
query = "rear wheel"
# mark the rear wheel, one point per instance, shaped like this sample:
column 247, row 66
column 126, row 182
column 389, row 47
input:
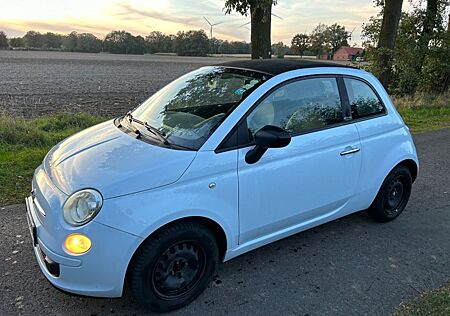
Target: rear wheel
column 393, row 196
column 173, row 266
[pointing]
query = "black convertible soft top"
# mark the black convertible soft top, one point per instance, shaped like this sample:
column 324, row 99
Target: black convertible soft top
column 277, row 66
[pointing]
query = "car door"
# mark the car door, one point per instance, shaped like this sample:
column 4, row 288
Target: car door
column 314, row 176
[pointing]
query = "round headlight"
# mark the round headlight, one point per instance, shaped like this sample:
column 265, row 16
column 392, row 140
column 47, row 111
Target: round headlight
column 82, row 206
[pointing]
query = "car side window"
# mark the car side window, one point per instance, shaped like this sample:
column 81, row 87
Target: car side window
column 363, row 100
column 299, row 106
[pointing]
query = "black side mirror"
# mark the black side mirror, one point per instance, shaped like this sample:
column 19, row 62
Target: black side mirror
column 267, row 137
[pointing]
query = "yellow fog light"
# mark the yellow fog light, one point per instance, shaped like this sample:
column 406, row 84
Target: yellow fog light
column 77, row 244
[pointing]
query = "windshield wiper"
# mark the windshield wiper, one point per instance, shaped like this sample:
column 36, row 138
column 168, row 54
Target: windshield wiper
column 148, row 127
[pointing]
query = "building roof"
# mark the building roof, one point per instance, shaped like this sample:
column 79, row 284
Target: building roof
column 349, row 50
column 277, row 66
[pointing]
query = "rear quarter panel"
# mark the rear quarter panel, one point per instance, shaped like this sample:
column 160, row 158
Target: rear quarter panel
column 385, row 142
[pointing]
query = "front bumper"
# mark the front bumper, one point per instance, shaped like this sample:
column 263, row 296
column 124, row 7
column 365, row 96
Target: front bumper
column 99, row 272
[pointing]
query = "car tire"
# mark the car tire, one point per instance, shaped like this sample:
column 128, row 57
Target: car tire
column 173, row 266
column 393, row 195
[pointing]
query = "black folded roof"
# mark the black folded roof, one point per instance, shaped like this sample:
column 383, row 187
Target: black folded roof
column 278, row 66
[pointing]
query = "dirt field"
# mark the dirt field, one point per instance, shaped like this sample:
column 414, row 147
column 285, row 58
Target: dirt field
column 38, row 83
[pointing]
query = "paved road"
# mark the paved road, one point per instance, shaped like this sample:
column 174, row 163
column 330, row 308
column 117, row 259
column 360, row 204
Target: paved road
column 352, row 266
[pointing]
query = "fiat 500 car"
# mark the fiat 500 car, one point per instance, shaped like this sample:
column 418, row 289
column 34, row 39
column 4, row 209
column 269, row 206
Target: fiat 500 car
column 221, row 161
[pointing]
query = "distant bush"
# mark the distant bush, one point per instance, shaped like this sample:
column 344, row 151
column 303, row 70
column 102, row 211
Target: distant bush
column 82, row 42
column 3, row 40
column 279, row 49
column 192, row 43
column 122, row 42
column 158, row 42
column 17, row 42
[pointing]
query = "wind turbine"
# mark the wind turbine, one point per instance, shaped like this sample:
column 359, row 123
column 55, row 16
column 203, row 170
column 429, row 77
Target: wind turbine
column 211, row 26
column 277, row 16
column 246, row 27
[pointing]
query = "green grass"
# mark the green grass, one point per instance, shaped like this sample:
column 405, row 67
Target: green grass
column 23, row 145
column 426, row 119
column 424, row 113
column 431, row 303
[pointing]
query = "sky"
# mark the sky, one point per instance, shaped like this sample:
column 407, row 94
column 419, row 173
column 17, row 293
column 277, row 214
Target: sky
column 140, row 17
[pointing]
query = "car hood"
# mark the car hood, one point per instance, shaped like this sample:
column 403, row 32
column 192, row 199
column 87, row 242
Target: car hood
column 105, row 158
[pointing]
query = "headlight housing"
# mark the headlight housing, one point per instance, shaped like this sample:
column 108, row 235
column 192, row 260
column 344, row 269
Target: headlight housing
column 82, row 206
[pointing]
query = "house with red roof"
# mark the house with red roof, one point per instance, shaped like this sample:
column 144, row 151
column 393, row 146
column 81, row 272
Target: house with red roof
column 346, row 53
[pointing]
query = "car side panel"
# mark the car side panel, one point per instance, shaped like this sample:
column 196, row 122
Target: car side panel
column 306, row 181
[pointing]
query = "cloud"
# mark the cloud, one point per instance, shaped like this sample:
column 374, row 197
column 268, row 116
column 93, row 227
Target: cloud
column 18, row 27
column 129, row 12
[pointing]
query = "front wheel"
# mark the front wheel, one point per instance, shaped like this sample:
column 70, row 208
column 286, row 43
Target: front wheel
column 173, row 266
column 393, row 195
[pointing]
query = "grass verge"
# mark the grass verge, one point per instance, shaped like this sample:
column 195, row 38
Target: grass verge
column 434, row 302
column 424, row 113
column 23, row 145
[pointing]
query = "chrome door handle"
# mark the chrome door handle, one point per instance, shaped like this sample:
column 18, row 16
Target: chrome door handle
column 350, row 151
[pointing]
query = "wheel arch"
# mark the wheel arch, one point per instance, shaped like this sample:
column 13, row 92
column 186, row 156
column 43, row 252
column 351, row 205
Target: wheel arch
column 216, row 229
column 408, row 162
column 412, row 167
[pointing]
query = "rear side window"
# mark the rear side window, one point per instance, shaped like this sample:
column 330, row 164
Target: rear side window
column 363, row 100
column 299, row 106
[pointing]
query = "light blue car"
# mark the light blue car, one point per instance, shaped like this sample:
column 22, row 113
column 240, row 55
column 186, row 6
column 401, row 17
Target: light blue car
column 221, row 161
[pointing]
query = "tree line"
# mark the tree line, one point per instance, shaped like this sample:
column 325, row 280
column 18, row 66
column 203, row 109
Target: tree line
column 192, row 43
column 323, row 39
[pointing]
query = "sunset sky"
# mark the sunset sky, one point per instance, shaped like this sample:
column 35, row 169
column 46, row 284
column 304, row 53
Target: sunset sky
column 169, row 16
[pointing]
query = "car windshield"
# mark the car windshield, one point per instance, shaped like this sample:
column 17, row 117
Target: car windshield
column 187, row 110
